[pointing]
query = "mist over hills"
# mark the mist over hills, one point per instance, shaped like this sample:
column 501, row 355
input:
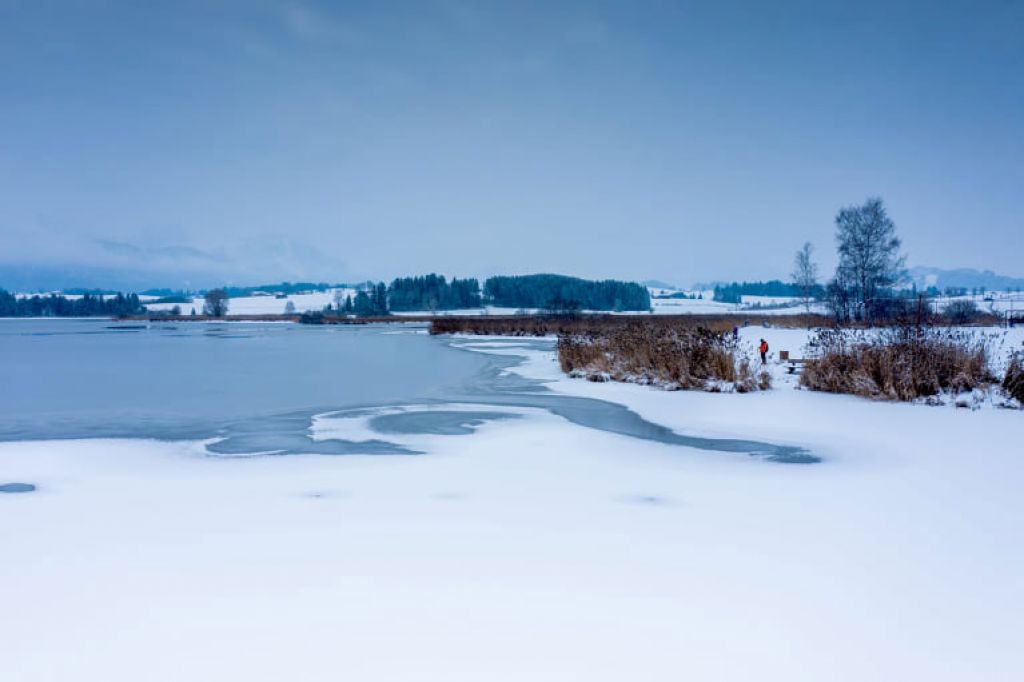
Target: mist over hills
column 43, row 278
column 969, row 278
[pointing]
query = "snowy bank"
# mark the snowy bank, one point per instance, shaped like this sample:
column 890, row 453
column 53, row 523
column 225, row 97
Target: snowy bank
column 531, row 549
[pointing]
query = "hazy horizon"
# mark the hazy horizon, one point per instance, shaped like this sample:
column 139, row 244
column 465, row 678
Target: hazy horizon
column 202, row 143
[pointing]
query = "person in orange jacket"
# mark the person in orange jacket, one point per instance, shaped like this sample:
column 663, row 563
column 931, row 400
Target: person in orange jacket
column 763, row 350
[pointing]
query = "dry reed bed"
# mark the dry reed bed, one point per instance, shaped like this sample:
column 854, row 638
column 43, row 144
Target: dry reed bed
column 542, row 325
column 902, row 362
column 669, row 356
column 898, row 363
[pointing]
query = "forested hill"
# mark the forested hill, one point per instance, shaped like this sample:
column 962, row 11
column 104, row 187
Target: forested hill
column 53, row 305
column 559, row 292
column 433, row 292
column 733, row 293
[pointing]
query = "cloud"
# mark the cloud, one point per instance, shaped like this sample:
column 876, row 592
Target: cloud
column 172, row 253
column 288, row 257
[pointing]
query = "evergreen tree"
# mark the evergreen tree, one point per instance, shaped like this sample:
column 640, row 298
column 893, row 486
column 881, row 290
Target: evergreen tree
column 362, row 305
column 54, row 305
column 380, row 299
column 552, row 292
column 433, row 292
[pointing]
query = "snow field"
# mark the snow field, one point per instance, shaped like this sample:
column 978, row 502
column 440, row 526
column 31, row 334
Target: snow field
column 532, row 549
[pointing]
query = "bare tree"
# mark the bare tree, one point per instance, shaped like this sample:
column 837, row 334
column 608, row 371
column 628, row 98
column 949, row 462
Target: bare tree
column 216, row 303
column 837, row 299
column 805, row 273
column 869, row 258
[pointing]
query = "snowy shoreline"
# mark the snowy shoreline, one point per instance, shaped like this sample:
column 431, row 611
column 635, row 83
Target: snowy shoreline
column 531, row 548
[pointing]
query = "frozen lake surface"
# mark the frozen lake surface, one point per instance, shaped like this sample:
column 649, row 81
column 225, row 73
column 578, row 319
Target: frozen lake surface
column 257, row 387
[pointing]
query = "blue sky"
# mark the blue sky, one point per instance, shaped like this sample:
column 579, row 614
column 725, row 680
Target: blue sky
column 260, row 140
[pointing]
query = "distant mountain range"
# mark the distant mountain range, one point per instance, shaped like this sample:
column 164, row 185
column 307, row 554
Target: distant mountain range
column 967, row 278
column 658, row 284
column 924, row 276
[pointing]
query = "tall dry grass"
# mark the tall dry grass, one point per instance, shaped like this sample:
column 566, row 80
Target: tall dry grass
column 543, row 325
column 898, row 363
column 672, row 357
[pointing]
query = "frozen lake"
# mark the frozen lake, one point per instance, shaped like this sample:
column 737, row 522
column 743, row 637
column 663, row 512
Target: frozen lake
column 256, row 387
column 92, row 377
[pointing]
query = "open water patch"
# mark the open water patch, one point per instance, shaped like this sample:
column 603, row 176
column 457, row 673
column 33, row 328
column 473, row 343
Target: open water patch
column 325, row 495
column 501, row 386
column 646, row 500
column 17, row 488
column 439, row 422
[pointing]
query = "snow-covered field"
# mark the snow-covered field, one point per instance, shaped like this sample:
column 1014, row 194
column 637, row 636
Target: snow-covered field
column 756, row 306
column 532, row 549
column 995, row 302
column 991, row 302
column 269, row 305
column 262, row 305
column 705, row 305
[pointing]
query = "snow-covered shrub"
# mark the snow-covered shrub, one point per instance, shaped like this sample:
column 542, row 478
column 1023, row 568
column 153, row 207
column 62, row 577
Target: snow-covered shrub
column 673, row 357
column 898, row 363
column 962, row 312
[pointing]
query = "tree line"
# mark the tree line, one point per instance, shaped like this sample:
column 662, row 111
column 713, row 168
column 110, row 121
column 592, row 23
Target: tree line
column 433, row 292
column 279, row 288
column 735, row 291
column 556, row 293
column 370, row 301
column 560, row 293
column 55, row 305
column 553, row 293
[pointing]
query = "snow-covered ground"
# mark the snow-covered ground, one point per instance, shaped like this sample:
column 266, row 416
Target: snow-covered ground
column 532, row 549
column 269, row 305
column 262, row 305
column 486, row 310
column 314, row 301
column 752, row 305
column 998, row 302
column 993, row 301
column 1001, row 341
